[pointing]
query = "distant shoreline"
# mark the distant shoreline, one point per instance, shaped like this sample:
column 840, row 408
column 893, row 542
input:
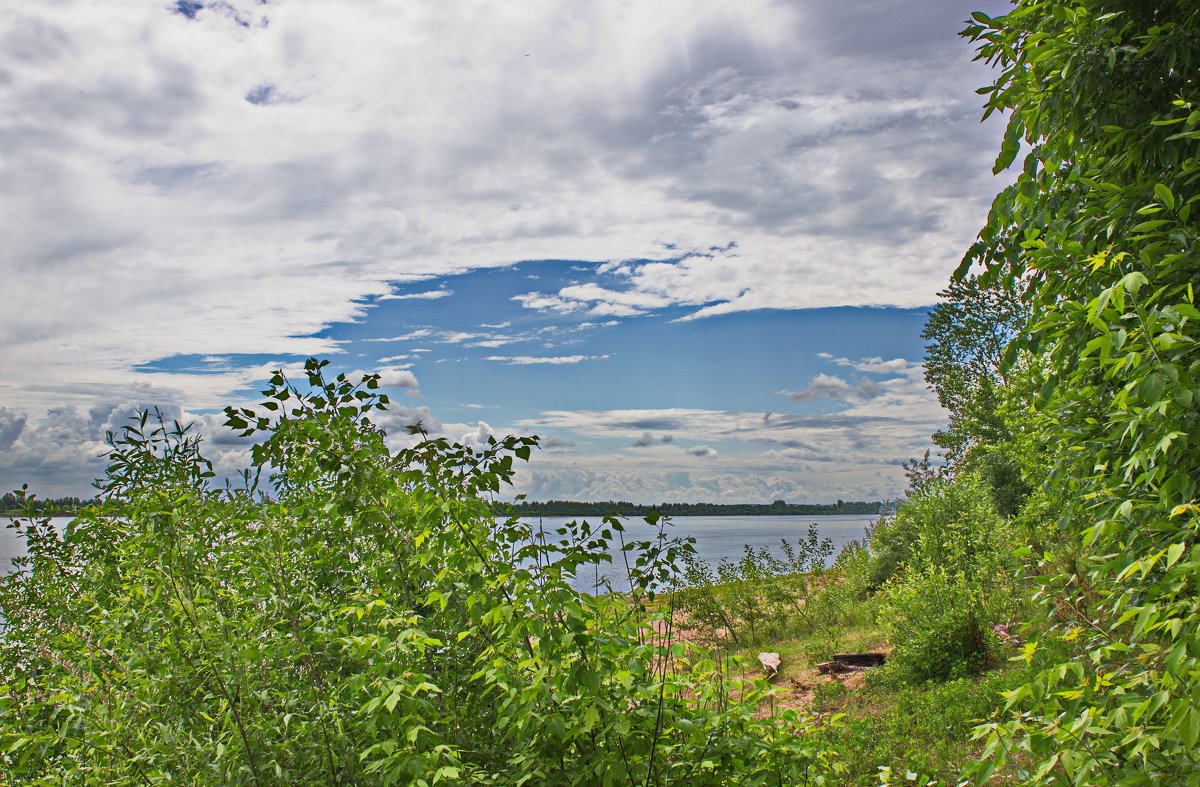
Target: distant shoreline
column 610, row 508
column 621, row 508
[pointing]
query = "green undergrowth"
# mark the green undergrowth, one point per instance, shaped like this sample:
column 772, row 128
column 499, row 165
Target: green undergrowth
column 353, row 614
column 883, row 727
column 926, row 729
column 915, row 716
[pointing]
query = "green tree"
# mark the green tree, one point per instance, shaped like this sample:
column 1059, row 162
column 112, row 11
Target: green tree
column 971, row 363
column 967, row 334
column 1101, row 224
column 947, row 560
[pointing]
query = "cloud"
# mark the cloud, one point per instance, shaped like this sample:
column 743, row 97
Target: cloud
column 479, row 437
column 796, row 453
column 647, row 439
column 884, row 429
column 267, row 94
column 526, row 360
column 537, row 300
column 397, row 378
column 428, row 295
column 554, row 442
column 829, row 386
column 469, row 338
column 578, row 481
column 167, row 195
column 599, row 300
column 696, row 124
column 498, row 341
column 875, row 365
column 404, row 337
column 11, row 425
column 643, row 441
column 703, row 451
column 396, row 419
column 60, row 452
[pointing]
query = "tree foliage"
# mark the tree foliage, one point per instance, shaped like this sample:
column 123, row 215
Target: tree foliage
column 967, row 335
column 368, row 622
column 1101, row 226
column 946, row 556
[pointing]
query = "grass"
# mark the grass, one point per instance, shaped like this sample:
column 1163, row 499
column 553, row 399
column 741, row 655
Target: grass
column 924, row 729
column 881, row 721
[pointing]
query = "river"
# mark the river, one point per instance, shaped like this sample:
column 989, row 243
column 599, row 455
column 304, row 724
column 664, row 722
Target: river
column 717, row 537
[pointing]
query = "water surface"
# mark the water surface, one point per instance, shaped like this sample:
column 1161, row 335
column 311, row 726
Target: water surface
column 717, row 537
column 722, row 537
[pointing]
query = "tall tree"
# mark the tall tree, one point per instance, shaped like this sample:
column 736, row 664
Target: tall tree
column 966, row 336
column 1104, row 104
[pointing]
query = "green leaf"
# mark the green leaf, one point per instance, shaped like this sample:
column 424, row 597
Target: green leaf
column 1164, row 195
column 1133, row 282
column 1151, row 387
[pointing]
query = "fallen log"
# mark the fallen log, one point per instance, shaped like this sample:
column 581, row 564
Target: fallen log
column 850, row 662
column 860, row 659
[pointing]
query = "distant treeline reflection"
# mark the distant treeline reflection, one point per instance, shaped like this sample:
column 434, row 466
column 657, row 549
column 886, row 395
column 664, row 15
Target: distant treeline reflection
column 623, row 508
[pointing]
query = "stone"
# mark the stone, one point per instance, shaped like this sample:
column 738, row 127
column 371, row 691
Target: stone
column 770, row 663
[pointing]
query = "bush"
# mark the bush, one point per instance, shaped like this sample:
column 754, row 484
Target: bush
column 761, row 594
column 948, row 520
column 349, row 615
column 958, row 575
column 934, row 628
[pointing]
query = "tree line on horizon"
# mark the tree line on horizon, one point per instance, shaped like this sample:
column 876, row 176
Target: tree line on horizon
column 13, row 504
column 625, row 508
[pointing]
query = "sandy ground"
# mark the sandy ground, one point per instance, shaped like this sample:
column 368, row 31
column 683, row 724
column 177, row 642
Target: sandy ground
column 795, row 686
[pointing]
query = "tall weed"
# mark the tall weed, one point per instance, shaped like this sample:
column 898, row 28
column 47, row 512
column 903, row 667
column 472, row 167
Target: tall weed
column 763, row 595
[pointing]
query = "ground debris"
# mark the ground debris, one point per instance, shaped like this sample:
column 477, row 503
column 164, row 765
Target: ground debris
column 851, row 662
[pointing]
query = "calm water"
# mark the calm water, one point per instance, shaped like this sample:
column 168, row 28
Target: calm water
column 722, row 537
column 717, row 537
column 11, row 546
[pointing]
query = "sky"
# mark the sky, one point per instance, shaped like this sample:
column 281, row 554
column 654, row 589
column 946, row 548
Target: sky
column 690, row 245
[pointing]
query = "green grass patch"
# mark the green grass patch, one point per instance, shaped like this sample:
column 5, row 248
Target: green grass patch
column 924, row 729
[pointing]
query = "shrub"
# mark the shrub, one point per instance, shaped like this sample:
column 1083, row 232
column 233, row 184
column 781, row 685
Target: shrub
column 949, row 520
column 350, row 615
column 760, row 594
column 959, row 574
column 934, row 627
